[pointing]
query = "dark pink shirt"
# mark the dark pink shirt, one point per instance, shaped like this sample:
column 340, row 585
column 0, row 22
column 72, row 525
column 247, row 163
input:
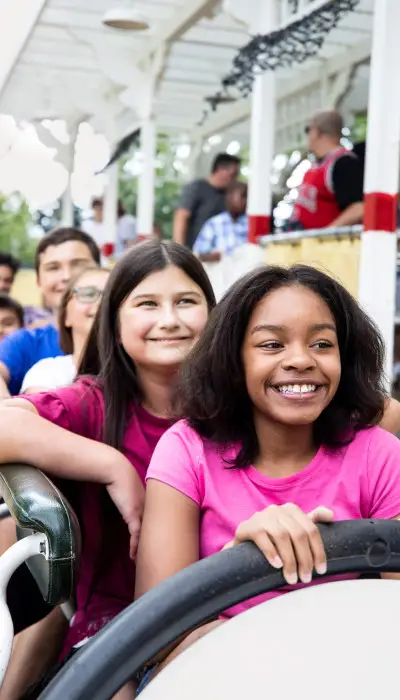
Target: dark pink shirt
column 107, row 575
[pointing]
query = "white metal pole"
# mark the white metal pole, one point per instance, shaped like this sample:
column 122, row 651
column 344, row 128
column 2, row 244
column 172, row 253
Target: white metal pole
column 262, row 135
column 9, row 562
column 146, row 190
column 194, row 158
column 377, row 276
column 67, row 204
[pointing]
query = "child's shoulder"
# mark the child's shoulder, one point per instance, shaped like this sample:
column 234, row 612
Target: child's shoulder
column 183, row 430
column 182, row 433
column 374, row 441
column 375, row 436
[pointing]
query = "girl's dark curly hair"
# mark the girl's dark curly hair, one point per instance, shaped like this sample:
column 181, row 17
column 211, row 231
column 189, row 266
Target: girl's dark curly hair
column 212, row 394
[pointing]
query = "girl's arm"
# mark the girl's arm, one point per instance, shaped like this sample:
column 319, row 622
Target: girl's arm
column 169, row 539
column 169, row 542
column 28, row 438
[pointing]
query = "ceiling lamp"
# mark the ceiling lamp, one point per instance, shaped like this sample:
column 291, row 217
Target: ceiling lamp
column 125, row 17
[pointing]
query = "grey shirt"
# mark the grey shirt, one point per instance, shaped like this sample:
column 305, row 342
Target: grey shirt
column 203, row 201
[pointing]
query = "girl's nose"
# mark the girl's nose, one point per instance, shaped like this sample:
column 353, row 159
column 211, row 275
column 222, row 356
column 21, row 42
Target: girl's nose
column 169, row 318
column 299, row 359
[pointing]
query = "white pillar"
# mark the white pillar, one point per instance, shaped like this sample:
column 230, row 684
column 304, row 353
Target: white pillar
column 67, row 205
column 377, row 277
column 110, row 206
column 146, row 190
column 196, row 149
column 262, row 134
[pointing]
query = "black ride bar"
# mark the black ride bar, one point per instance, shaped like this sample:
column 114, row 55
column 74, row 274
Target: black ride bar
column 198, row 594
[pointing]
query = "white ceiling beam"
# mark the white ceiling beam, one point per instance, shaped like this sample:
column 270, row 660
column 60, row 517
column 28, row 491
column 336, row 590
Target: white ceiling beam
column 201, row 34
column 183, row 19
column 16, row 24
column 60, row 62
column 228, row 116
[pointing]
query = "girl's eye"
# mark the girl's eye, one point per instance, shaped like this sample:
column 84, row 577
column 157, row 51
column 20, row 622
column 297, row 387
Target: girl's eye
column 322, row 344
column 271, row 345
column 148, row 302
column 186, row 301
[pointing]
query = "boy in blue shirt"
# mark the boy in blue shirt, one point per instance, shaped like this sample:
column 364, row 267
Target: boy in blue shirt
column 224, row 232
column 59, row 255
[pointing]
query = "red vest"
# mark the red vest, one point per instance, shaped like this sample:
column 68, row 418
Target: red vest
column 316, row 206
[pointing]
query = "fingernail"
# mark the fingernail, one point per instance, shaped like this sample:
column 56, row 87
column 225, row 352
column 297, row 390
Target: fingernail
column 307, row 577
column 277, row 563
column 291, row 579
column 321, row 569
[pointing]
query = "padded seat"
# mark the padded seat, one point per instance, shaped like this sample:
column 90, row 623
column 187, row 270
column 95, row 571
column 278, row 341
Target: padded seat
column 37, row 505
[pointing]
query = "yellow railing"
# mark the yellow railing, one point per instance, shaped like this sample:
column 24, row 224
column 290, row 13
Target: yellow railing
column 335, row 250
column 25, row 289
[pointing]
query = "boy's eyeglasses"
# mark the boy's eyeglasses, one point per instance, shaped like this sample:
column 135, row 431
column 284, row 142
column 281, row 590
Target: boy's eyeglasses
column 87, row 295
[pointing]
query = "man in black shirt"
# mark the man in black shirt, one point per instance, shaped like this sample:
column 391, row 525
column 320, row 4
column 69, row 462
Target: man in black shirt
column 203, row 199
column 347, row 180
column 332, row 190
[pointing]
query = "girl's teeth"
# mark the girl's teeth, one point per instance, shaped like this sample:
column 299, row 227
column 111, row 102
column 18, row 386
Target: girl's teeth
column 297, row 388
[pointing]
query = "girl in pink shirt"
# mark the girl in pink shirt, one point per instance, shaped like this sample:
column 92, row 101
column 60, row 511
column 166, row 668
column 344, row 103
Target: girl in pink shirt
column 281, row 399
column 104, row 428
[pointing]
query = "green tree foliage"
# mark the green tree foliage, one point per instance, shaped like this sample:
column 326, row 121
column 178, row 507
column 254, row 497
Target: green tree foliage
column 168, row 185
column 15, row 220
column 358, row 131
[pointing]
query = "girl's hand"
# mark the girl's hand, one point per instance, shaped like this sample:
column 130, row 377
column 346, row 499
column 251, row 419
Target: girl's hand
column 289, row 539
column 127, row 493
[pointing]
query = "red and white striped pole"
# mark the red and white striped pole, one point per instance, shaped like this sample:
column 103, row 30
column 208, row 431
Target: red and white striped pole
column 262, row 135
column 377, row 275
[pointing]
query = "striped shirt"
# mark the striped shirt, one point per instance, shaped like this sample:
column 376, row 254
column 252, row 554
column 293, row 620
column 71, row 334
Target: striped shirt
column 222, row 233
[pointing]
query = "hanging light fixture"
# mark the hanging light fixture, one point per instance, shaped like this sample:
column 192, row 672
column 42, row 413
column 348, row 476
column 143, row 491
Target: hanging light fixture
column 125, row 16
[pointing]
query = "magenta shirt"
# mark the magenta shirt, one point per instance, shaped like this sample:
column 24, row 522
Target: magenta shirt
column 360, row 480
column 101, row 592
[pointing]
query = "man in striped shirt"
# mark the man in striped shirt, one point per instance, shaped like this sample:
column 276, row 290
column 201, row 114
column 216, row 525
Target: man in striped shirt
column 224, row 232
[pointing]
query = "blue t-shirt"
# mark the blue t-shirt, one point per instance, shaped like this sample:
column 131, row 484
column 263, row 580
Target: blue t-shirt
column 21, row 350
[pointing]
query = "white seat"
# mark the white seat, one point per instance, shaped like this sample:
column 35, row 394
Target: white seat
column 336, row 641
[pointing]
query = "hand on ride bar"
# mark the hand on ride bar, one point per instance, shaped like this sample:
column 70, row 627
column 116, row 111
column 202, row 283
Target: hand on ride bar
column 289, row 539
column 127, row 493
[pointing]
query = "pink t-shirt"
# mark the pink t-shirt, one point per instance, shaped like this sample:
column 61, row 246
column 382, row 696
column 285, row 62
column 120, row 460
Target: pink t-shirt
column 360, row 480
column 106, row 579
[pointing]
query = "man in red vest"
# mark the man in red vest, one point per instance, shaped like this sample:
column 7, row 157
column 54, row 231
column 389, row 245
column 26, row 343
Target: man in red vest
column 331, row 193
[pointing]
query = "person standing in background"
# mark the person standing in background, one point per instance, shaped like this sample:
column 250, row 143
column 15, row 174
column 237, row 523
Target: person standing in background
column 126, row 233
column 95, row 226
column 224, row 232
column 331, row 193
column 202, row 199
column 126, row 230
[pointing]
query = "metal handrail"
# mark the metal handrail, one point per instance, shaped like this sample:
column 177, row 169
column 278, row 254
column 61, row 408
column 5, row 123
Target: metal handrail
column 333, row 232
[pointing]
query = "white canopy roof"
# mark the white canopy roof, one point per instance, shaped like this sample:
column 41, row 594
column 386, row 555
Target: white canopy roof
column 60, row 62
